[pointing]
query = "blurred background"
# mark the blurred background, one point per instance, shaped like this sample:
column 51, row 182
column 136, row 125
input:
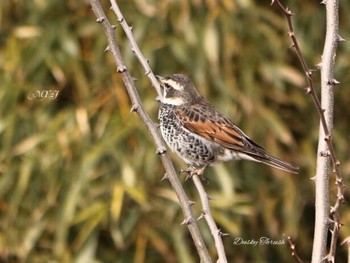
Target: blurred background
column 79, row 177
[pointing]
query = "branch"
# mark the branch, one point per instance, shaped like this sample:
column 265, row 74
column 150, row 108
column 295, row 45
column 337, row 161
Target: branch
column 139, row 109
column 203, row 196
column 326, row 152
column 215, row 232
column 327, row 101
column 293, row 250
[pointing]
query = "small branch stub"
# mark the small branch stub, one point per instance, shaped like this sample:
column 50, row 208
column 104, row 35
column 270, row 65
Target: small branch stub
column 121, row 69
column 161, row 150
column 100, row 20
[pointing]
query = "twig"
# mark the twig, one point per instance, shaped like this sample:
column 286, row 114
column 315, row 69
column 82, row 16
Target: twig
column 215, row 232
column 325, row 146
column 292, row 248
column 134, row 47
column 138, row 108
column 347, row 243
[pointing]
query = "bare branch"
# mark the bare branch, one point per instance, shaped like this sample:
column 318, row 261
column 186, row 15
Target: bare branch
column 152, row 128
column 134, row 47
column 292, row 248
column 326, row 152
column 327, row 96
column 206, row 213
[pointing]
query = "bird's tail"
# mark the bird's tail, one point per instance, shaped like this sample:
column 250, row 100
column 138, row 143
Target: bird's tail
column 276, row 163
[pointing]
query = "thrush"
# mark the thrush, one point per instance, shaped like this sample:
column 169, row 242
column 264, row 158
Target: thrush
column 199, row 134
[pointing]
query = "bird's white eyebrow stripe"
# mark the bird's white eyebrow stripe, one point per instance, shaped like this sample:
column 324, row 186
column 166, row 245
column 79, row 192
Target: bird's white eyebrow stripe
column 174, row 84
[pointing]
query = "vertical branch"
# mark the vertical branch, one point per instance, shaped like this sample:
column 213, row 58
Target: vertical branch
column 325, row 153
column 161, row 150
column 327, row 102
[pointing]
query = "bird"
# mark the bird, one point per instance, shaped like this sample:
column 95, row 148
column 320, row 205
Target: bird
column 199, row 134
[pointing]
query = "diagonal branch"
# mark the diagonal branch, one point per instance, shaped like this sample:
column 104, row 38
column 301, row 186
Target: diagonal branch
column 215, row 232
column 152, row 128
column 198, row 184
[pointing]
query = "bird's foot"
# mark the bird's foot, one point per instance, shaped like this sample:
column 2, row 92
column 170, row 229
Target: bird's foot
column 192, row 170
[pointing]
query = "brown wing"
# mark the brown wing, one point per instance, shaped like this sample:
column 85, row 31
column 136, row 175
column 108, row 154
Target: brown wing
column 206, row 121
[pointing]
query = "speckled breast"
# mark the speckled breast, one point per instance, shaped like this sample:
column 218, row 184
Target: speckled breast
column 193, row 149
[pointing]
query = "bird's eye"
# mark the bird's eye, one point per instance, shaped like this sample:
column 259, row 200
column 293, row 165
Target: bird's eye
column 167, row 86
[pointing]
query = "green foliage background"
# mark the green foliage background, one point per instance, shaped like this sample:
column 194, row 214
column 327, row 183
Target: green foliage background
column 79, row 177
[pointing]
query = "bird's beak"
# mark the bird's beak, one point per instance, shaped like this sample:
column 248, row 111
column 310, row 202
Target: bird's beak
column 160, row 80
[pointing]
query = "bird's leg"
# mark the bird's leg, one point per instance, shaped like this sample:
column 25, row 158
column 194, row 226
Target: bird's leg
column 192, row 170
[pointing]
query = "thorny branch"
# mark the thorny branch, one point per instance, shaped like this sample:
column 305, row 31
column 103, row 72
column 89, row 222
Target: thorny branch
column 203, row 196
column 138, row 108
column 215, row 232
column 326, row 123
column 293, row 250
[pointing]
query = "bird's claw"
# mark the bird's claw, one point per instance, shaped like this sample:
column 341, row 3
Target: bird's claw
column 192, row 170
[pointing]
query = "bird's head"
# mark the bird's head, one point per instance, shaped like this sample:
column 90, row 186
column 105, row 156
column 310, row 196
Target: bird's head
column 177, row 89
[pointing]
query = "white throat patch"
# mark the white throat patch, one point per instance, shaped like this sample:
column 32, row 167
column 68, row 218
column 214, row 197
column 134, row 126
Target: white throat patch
column 172, row 101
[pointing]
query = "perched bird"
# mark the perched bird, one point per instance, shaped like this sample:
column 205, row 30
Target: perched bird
column 196, row 131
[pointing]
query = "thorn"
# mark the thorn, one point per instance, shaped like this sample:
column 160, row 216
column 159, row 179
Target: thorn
column 319, row 65
column 340, row 39
column 120, row 20
column 329, row 221
column 333, row 82
column 290, row 34
column 340, row 197
column 346, row 241
column 337, row 163
column 339, row 181
column 114, row 26
column 187, row 221
column 332, row 211
column 121, row 69
column 225, row 234
column 309, row 73
column 134, row 108
column 292, row 45
column 327, row 138
column 220, row 233
column 165, row 177
column 191, row 202
column 308, row 90
column 100, row 20
column 106, row 49
column 324, row 153
column 313, row 178
column 200, row 217
column 272, row 2
column 161, row 150
column 131, row 28
column 133, row 50
column 148, row 72
column 323, row 2
column 288, row 12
